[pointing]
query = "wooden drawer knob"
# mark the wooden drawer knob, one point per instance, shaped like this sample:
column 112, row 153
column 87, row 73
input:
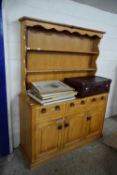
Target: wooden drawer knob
column 89, row 118
column 43, row 110
column 82, row 102
column 102, row 98
column 57, row 108
column 66, row 124
column 93, row 99
column 72, row 104
column 60, row 127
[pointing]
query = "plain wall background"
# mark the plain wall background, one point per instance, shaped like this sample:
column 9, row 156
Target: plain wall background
column 63, row 11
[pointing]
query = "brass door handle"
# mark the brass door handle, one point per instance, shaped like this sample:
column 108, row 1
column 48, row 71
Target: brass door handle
column 59, row 123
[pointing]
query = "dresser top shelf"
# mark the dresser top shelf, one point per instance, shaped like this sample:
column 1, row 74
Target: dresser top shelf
column 31, row 22
column 54, row 51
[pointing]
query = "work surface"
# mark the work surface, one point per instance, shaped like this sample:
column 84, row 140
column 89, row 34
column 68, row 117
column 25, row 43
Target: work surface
column 95, row 158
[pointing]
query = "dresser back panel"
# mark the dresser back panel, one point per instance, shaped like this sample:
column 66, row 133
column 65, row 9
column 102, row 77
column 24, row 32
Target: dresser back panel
column 54, row 51
column 54, row 40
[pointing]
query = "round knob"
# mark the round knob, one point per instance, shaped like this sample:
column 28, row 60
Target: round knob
column 102, row 98
column 72, row 104
column 57, row 108
column 66, row 125
column 60, row 127
column 89, row 118
column 82, row 102
column 43, row 110
column 93, row 99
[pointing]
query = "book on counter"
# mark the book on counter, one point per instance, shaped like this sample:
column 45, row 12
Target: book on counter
column 44, row 87
column 54, row 94
column 49, row 101
column 49, row 92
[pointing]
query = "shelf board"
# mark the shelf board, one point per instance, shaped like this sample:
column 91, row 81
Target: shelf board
column 61, row 70
column 61, row 51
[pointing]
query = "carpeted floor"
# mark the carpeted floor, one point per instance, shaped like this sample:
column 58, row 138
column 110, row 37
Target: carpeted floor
column 94, row 159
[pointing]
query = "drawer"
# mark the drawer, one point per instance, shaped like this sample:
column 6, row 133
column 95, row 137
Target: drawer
column 103, row 100
column 99, row 100
column 50, row 112
column 76, row 106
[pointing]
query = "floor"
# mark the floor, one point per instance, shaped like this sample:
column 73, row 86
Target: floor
column 94, row 159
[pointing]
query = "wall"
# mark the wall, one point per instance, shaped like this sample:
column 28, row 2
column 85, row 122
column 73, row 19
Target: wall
column 107, row 5
column 63, row 11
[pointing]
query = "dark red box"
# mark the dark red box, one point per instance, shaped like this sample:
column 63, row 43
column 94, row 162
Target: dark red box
column 87, row 86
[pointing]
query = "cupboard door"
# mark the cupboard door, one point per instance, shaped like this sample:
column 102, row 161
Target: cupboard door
column 95, row 115
column 73, row 128
column 94, row 122
column 48, row 136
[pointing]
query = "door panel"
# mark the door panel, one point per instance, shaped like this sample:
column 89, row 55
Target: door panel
column 74, row 131
column 95, row 115
column 48, row 137
column 94, row 122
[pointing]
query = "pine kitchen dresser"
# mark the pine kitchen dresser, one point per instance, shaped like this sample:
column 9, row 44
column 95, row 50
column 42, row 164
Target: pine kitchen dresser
column 52, row 51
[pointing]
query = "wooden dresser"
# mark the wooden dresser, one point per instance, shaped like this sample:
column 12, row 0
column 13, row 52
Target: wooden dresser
column 51, row 51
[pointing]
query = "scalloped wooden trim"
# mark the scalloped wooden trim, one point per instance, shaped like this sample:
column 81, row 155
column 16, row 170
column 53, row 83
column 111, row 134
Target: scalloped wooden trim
column 29, row 22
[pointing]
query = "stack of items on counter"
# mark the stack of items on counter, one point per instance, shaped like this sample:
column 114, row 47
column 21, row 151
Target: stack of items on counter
column 49, row 92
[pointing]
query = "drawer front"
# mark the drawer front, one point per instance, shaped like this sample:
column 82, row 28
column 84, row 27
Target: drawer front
column 70, row 107
column 99, row 100
column 76, row 106
column 50, row 112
